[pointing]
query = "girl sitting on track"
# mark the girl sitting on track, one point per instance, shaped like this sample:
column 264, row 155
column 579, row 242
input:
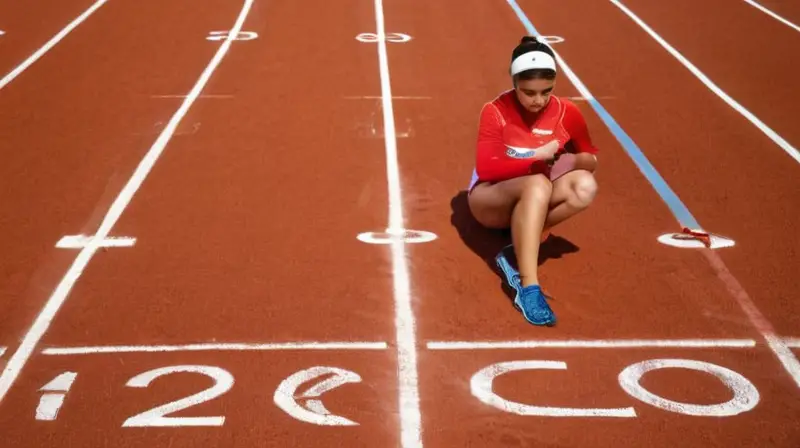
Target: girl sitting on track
column 535, row 166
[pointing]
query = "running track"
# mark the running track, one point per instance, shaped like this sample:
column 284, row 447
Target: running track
column 246, row 169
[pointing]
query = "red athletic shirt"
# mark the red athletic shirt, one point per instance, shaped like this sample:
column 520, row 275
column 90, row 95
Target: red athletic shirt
column 507, row 132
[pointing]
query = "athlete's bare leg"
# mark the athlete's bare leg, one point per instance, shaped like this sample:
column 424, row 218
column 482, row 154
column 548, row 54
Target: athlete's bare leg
column 530, row 205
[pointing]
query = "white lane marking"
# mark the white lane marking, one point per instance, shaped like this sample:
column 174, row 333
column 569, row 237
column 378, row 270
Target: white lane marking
column 101, row 349
column 56, row 300
column 81, row 241
column 756, row 317
column 774, row 136
column 410, row 417
column 583, row 98
column 773, row 15
column 371, row 97
column 209, row 96
column 785, row 355
column 50, row 44
column 789, row 342
column 2, row 350
column 593, row 343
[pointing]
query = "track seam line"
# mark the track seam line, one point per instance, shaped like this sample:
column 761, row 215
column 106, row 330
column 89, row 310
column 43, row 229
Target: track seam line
column 59, row 296
column 50, row 44
column 410, row 416
column 766, row 130
column 684, row 217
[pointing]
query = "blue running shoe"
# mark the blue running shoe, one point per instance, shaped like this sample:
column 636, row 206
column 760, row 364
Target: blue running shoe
column 533, row 304
column 530, row 300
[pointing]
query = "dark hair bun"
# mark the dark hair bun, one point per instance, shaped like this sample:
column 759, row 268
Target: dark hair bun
column 530, row 43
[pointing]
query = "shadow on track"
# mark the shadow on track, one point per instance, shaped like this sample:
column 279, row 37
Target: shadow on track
column 487, row 243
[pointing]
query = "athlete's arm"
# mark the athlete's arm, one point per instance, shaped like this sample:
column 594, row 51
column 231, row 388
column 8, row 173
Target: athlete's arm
column 492, row 163
column 580, row 140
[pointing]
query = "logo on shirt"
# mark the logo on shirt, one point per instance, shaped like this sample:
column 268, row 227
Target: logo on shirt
column 519, row 153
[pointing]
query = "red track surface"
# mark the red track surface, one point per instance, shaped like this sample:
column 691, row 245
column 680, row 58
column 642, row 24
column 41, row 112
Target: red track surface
column 246, row 226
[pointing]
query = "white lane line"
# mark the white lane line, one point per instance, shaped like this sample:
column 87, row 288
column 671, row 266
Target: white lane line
column 50, row 44
column 2, row 350
column 56, row 300
column 231, row 346
column 774, row 136
column 792, row 342
column 592, row 343
column 773, row 15
column 79, row 241
column 756, row 317
column 410, row 417
column 583, row 98
column 209, row 96
column 371, row 97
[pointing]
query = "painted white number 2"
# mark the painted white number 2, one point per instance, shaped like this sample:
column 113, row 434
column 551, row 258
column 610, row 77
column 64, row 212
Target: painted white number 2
column 223, row 381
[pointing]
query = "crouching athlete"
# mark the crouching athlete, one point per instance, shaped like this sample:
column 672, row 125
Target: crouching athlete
column 535, row 165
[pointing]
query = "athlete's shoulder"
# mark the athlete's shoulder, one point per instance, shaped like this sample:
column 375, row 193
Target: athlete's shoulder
column 573, row 115
column 503, row 105
column 575, row 124
column 504, row 99
column 497, row 108
column 564, row 103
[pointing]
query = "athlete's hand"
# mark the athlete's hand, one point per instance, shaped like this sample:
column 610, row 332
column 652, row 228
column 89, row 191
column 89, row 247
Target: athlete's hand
column 548, row 151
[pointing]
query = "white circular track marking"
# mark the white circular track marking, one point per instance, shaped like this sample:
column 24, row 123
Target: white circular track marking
column 681, row 241
column 551, row 39
column 222, row 35
column 390, row 37
column 406, row 236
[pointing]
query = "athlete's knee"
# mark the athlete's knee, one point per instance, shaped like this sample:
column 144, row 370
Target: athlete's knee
column 584, row 190
column 537, row 186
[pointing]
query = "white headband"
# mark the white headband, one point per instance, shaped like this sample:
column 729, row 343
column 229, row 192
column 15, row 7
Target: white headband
column 531, row 60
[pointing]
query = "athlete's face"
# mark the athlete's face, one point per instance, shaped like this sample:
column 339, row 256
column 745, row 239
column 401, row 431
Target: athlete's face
column 534, row 94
